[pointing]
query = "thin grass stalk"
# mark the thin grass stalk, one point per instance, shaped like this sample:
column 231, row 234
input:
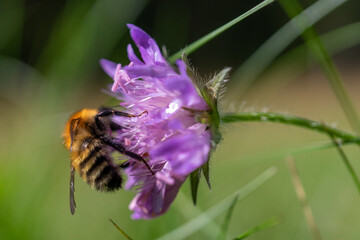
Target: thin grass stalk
column 120, row 230
column 301, row 195
column 346, row 161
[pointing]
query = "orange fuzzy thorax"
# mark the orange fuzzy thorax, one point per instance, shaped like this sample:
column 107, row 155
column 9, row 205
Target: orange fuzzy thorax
column 85, row 115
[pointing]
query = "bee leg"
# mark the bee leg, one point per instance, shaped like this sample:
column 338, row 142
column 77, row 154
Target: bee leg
column 112, row 142
column 114, row 126
column 107, row 112
column 125, row 164
column 72, row 190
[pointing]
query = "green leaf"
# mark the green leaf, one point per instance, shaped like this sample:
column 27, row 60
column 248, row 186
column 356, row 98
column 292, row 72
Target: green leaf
column 206, row 171
column 194, row 183
column 265, row 225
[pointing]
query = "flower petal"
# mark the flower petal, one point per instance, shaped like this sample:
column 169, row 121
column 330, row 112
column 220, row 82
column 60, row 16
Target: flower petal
column 145, row 204
column 109, row 67
column 185, row 152
column 141, row 71
column 148, row 48
column 132, row 56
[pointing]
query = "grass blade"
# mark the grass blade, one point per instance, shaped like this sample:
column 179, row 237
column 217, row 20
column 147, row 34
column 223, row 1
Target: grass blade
column 300, row 193
column 265, row 225
column 226, row 223
column 70, row 51
column 335, row 41
column 206, row 217
column 315, row 44
column 198, row 43
column 299, row 60
column 120, row 230
column 271, row 48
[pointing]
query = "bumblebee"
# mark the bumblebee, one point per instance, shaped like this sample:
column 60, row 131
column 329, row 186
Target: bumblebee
column 88, row 137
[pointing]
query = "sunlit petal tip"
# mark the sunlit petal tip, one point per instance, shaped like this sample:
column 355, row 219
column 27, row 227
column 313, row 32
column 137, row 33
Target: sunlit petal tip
column 109, row 67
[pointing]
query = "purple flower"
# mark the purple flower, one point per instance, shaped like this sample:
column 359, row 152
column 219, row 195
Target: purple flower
column 172, row 131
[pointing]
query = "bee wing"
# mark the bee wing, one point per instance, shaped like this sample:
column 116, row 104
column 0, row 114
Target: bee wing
column 72, row 190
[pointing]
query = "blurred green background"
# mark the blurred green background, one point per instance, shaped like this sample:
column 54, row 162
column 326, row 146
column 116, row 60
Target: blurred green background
column 49, row 53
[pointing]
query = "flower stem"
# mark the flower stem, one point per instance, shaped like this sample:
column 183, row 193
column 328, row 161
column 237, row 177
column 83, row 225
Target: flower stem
column 198, row 43
column 291, row 120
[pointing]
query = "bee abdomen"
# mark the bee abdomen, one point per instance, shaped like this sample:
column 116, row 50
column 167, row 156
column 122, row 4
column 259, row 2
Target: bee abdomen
column 99, row 172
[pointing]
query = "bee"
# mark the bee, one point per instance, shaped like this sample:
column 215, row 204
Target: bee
column 88, row 137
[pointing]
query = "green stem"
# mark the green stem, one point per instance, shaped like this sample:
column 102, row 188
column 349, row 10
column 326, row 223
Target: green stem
column 346, row 162
column 198, row 43
column 291, row 120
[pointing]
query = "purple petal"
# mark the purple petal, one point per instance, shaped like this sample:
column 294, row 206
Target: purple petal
column 145, row 204
column 182, row 67
column 148, row 48
column 132, row 56
column 148, row 59
column 140, row 37
column 158, row 57
column 109, row 67
column 139, row 71
column 185, row 152
column 183, row 84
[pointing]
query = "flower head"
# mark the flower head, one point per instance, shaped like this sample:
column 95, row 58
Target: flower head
column 171, row 130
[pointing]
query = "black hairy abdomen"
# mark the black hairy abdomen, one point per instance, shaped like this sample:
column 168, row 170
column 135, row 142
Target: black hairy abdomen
column 98, row 170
